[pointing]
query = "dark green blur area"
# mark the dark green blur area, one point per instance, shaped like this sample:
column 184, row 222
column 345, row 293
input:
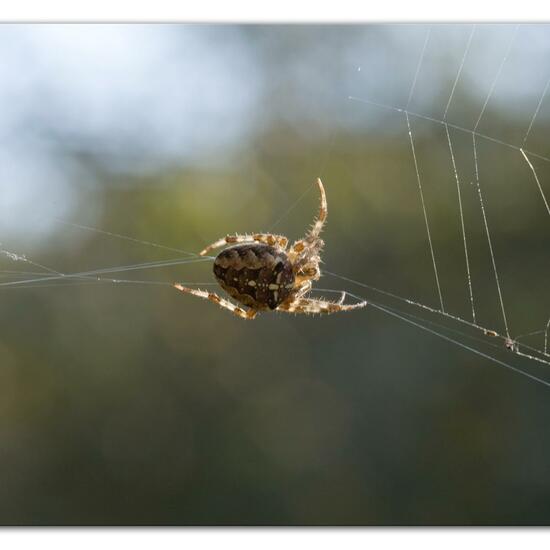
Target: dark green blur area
column 132, row 404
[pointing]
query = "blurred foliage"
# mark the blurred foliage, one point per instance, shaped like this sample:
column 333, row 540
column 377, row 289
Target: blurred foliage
column 133, row 404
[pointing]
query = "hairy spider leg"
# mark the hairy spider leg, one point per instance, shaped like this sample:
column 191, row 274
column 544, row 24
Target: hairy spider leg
column 222, row 302
column 308, row 269
column 266, row 238
column 302, row 288
column 311, row 306
column 311, row 240
column 315, row 231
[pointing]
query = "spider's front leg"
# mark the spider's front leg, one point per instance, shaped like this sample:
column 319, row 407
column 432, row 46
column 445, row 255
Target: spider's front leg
column 310, row 272
column 265, row 238
column 222, row 302
column 312, row 242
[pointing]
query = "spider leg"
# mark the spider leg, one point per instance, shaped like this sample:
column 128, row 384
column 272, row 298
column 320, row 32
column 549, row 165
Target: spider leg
column 315, row 231
column 304, row 288
column 222, row 302
column 266, row 238
column 309, row 271
column 310, row 305
column 312, row 243
column 312, row 235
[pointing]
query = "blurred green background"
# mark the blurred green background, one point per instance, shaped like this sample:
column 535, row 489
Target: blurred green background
column 134, row 404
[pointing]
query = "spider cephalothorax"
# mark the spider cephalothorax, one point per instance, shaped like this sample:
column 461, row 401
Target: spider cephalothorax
column 263, row 275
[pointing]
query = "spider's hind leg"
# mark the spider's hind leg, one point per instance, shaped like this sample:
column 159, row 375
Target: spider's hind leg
column 311, row 306
column 222, row 302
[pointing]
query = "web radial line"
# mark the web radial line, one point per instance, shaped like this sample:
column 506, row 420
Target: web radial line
column 537, row 180
column 22, row 258
column 536, row 112
column 492, row 88
column 462, row 224
column 537, row 155
column 533, row 333
column 486, row 331
column 442, row 122
column 11, row 273
column 322, row 165
column 460, row 344
column 420, row 60
column 290, row 209
column 124, row 237
column 410, row 318
column 487, row 232
column 416, row 317
column 86, row 274
column 425, row 213
column 449, row 329
column 459, row 70
column 99, row 280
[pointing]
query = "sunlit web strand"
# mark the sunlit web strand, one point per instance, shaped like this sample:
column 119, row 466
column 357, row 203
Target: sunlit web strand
column 537, row 180
column 525, row 335
column 463, row 228
column 22, row 258
column 418, row 66
column 459, row 193
column 86, row 277
column 442, row 327
column 60, row 276
column 411, row 92
column 19, row 274
column 416, row 317
column 290, row 208
column 425, row 214
column 399, row 315
column 493, row 85
column 320, row 173
column 424, row 307
column 473, row 133
column 118, row 269
column 124, row 237
column 81, row 281
column 536, row 112
column 469, row 43
column 488, row 234
column 99, row 280
column 445, row 123
column 461, row 344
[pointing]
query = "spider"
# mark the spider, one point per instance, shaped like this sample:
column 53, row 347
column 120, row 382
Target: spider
column 261, row 274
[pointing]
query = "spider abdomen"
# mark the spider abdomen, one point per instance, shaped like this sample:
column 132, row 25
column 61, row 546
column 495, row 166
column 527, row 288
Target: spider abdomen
column 257, row 275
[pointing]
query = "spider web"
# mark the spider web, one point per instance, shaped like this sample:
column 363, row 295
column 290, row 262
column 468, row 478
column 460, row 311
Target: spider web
column 493, row 337
column 513, row 343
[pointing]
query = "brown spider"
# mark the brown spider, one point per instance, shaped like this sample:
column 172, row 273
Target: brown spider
column 263, row 275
